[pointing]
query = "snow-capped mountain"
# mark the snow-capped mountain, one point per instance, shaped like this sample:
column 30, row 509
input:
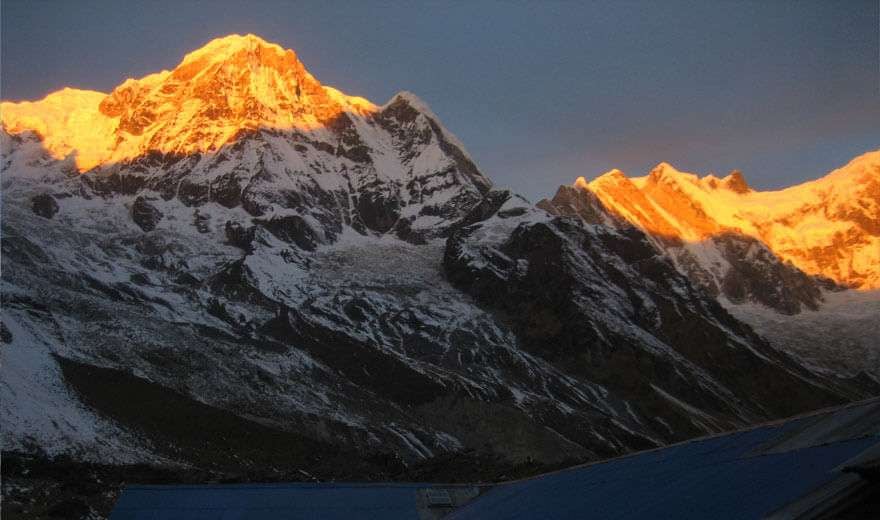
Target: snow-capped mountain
column 776, row 248
column 241, row 123
column 249, row 248
column 779, row 261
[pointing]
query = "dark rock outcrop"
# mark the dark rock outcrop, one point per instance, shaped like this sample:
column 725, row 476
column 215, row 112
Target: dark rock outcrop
column 44, row 205
column 144, row 214
column 377, row 211
column 240, row 236
column 292, row 229
column 756, row 274
column 737, row 183
column 571, row 201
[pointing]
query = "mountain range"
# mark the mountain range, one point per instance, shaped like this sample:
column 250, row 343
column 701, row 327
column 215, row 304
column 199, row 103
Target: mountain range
column 231, row 266
column 799, row 264
column 826, row 228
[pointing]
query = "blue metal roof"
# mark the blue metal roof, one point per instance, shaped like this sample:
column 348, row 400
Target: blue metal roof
column 269, row 502
column 743, row 474
column 715, row 478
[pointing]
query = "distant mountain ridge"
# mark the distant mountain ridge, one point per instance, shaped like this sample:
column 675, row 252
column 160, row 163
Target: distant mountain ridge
column 750, row 245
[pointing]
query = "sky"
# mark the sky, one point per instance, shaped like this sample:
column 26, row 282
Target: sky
column 539, row 92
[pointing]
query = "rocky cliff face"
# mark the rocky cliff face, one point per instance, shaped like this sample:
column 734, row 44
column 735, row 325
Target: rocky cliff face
column 269, row 255
column 603, row 303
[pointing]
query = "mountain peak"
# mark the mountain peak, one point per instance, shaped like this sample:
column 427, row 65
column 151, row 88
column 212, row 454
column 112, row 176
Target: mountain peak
column 736, row 182
column 801, row 224
column 581, row 182
column 613, row 173
column 245, row 51
column 663, row 169
column 234, row 41
column 230, row 84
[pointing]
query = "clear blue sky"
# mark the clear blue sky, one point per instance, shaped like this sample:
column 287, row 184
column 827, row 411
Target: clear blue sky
column 540, row 92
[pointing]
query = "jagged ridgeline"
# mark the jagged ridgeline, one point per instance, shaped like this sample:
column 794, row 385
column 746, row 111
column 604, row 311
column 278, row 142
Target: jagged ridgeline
column 232, row 243
column 778, row 248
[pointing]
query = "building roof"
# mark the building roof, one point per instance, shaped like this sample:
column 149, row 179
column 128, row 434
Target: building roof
column 795, row 468
column 751, row 473
column 328, row 501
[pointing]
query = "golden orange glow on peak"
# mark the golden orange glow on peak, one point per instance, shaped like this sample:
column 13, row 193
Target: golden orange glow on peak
column 231, row 83
column 827, row 227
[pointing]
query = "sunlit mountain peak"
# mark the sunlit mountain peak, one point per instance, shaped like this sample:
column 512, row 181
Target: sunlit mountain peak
column 735, row 181
column 226, row 46
column 230, row 84
column 826, row 227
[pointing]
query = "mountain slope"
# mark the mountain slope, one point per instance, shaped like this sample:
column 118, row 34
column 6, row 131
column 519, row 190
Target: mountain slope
column 713, row 230
column 841, row 337
column 236, row 235
column 603, row 303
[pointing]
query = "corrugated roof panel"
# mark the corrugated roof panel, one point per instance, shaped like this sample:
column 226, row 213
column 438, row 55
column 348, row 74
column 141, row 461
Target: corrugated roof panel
column 705, row 479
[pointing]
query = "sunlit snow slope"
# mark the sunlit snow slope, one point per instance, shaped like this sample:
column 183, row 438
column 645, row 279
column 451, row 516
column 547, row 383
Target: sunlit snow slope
column 229, row 85
column 828, row 227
